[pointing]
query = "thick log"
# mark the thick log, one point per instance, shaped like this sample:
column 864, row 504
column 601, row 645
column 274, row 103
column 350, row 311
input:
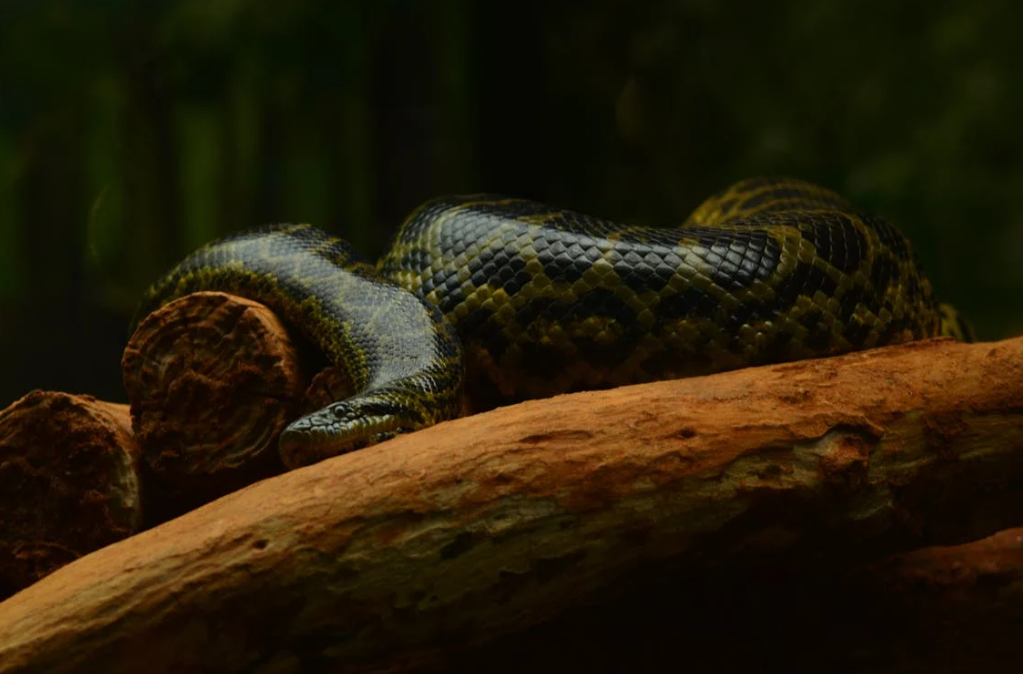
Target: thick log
column 212, row 379
column 68, row 484
column 457, row 533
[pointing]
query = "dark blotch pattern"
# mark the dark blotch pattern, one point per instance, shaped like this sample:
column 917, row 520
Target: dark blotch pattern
column 739, row 257
column 540, row 300
column 805, row 280
column 836, row 240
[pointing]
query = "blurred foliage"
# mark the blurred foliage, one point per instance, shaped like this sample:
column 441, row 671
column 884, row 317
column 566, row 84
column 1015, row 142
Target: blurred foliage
column 131, row 132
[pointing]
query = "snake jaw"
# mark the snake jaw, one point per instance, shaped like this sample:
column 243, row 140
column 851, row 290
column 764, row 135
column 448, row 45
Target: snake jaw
column 339, row 428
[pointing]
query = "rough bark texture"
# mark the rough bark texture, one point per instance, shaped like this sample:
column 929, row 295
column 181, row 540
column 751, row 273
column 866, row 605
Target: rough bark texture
column 212, row 379
column 484, row 525
column 67, row 483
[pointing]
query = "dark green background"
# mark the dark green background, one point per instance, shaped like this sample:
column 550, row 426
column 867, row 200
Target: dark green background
column 132, row 131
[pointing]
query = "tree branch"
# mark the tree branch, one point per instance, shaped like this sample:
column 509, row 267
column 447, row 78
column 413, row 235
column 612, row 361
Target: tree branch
column 492, row 523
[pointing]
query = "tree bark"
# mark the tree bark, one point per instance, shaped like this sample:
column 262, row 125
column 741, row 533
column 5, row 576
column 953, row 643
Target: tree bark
column 480, row 526
column 68, row 484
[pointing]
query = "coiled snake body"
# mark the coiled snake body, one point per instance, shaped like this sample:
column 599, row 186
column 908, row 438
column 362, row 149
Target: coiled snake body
column 518, row 300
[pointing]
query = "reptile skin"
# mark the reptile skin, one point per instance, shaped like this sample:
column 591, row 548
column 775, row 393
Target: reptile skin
column 532, row 300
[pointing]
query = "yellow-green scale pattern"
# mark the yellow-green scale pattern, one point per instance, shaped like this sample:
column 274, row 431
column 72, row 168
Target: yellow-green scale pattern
column 546, row 301
column 402, row 357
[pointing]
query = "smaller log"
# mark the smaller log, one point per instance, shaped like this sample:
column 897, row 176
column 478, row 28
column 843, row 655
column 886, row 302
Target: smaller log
column 68, row 484
column 212, row 379
column 951, row 609
column 966, row 597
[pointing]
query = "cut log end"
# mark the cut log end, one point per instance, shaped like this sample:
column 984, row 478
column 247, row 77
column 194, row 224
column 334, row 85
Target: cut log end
column 212, row 379
column 68, row 484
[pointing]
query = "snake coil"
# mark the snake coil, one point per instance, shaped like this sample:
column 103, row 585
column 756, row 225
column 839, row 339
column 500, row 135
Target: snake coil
column 514, row 299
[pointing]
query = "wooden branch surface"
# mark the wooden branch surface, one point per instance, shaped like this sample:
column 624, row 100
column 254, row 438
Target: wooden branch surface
column 495, row 522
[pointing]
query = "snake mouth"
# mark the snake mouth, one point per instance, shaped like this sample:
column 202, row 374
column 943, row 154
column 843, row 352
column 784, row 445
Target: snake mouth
column 305, row 442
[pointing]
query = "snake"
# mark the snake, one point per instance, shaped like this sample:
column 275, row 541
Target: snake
column 494, row 300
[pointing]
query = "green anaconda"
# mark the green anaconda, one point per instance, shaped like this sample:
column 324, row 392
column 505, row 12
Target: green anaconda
column 516, row 299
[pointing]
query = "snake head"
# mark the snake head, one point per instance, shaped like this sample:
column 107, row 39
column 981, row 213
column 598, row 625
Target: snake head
column 344, row 426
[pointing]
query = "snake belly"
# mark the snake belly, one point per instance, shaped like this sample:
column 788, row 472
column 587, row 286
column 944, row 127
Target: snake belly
column 533, row 300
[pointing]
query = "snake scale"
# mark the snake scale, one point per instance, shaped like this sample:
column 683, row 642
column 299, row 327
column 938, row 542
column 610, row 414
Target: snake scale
column 513, row 299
